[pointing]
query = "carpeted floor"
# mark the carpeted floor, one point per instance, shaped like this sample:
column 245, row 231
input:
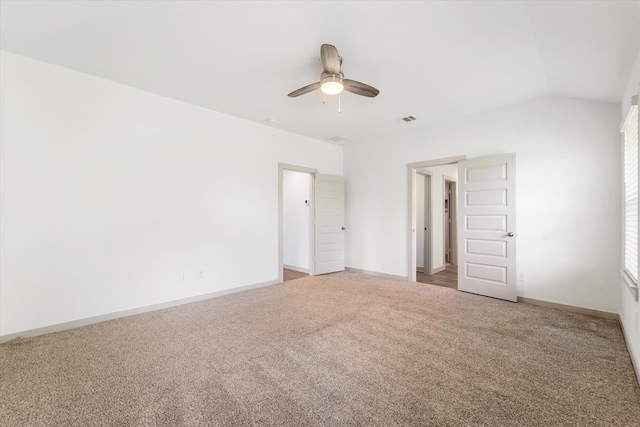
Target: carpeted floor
column 335, row 350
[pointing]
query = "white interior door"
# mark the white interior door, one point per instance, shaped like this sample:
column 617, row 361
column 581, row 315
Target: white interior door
column 486, row 224
column 329, row 216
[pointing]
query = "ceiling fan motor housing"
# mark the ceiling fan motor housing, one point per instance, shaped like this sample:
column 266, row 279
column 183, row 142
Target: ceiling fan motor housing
column 331, row 84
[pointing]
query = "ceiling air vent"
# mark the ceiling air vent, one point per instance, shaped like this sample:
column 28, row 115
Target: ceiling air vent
column 408, row 119
column 337, row 138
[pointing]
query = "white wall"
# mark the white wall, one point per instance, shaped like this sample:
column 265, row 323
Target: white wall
column 109, row 192
column 568, row 189
column 630, row 308
column 296, row 221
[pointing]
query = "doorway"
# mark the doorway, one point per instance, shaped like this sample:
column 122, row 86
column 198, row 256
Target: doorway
column 423, row 222
column 449, row 224
column 445, row 272
column 433, row 221
column 440, row 220
column 296, row 224
column 296, row 196
column 325, row 207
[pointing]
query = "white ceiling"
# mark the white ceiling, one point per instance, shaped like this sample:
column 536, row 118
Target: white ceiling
column 433, row 60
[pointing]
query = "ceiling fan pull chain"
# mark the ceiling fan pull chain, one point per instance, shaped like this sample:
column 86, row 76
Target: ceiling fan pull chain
column 339, row 109
column 324, row 98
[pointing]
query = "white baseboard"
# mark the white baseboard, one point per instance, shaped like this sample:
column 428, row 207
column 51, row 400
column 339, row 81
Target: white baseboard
column 438, row 269
column 375, row 273
column 125, row 313
column 571, row 308
column 294, row 268
column 635, row 358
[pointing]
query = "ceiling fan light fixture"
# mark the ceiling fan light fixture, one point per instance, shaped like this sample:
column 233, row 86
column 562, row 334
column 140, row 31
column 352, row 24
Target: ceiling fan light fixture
column 331, row 84
column 332, row 81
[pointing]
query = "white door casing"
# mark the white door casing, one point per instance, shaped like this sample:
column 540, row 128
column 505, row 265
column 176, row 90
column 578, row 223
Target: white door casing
column 486, row 225
column 449, row 226
column 329, row 229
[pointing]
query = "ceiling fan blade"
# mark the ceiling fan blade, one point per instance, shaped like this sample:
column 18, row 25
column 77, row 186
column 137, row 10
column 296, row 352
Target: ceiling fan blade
column 360, row 88
column 330, row 59
column 306, row 89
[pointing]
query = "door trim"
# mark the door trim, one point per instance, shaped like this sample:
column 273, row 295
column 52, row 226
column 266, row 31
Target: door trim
column 453, row 229
column 427, row 250
column 411, row 229
column 312, row 228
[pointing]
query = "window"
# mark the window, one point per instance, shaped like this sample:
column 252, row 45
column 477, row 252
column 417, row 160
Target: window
column 630, row 140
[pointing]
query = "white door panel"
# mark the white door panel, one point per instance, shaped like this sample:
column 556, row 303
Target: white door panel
column 491, row 172
column 491, row 198
column 487, row 214
column 486, row 223
column 487, row 248
column 329, row 214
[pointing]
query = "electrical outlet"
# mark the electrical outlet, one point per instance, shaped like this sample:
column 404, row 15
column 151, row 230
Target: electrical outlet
column 200, row 274
column 183, row 276
column 520, row 276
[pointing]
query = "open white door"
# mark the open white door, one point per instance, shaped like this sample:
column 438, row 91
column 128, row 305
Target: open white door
column 486, row 224
column 329, row 217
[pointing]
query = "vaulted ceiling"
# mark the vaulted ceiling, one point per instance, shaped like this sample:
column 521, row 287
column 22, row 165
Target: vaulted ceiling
column 433, row 60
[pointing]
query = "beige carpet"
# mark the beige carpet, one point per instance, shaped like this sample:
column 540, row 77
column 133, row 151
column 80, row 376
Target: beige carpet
column 336, row 350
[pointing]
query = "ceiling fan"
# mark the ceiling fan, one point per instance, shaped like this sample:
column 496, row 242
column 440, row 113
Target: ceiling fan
column 332, row 81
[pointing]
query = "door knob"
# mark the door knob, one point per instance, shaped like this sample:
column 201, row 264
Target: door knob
column 511, row 234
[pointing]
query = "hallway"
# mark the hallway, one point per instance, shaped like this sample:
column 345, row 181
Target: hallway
column 447, row 277
column 292, row 274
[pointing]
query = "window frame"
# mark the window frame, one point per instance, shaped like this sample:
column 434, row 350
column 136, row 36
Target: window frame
column 630, row 134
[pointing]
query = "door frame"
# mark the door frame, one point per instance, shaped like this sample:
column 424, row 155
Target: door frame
column 427, row 249
column 412, row 170
column 453, row 215
column 312, row 229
